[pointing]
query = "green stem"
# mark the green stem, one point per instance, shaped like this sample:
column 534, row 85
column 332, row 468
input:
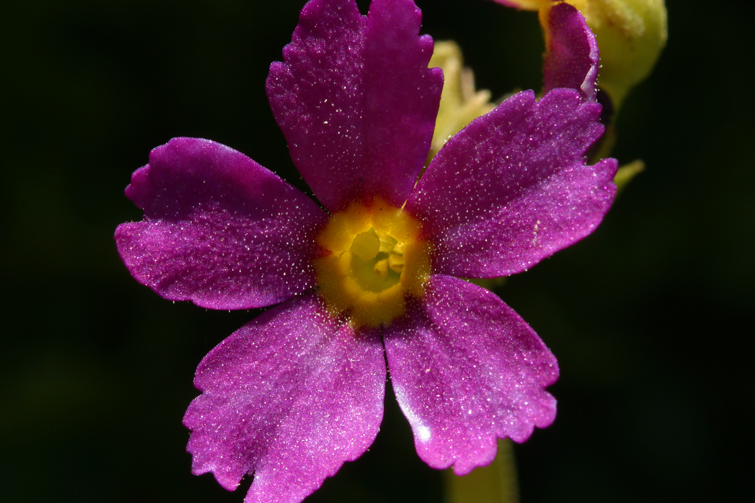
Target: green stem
column 495, row 483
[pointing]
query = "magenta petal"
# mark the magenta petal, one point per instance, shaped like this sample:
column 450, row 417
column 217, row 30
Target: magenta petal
column 467, row 370
column 218, row 229
column 512, row 187
column 355, row 99
column 571, row 59
column 288, row 397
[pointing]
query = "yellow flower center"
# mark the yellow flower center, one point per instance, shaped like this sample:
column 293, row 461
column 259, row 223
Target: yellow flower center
column 375, row 259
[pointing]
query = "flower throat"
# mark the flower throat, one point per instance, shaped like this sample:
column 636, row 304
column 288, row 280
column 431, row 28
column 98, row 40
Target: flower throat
column 374, row 259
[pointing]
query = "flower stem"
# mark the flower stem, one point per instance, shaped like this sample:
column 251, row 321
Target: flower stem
column 495, row 483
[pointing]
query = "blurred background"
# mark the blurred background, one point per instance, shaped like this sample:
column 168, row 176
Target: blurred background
column 650, row 317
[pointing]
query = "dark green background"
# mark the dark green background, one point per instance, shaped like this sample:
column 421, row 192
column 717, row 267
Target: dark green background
column 650, row 317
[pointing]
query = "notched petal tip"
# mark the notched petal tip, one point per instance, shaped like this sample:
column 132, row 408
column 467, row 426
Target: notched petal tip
column 465, row 376
column 289, row 397
column 356, row 101
column 513, row 188
column 218, row 229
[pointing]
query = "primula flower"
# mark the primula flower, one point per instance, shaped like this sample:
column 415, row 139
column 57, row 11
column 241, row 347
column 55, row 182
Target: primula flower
column 367, row 282
column 630, row 33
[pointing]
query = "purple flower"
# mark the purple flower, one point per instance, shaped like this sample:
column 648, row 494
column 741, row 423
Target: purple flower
column 368, row 281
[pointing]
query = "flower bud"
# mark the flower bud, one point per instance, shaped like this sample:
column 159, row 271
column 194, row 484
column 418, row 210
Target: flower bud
column 630, row 35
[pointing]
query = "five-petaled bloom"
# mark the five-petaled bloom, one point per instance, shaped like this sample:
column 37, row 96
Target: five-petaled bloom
column 368, row 282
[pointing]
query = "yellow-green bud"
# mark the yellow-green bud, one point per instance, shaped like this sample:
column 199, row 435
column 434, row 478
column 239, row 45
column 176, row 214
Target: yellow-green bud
column 460, row 103
column 630, row 35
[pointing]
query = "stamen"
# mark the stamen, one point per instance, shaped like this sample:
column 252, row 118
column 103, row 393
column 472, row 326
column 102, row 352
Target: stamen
column 396, row 262
column 381, row 268
column 366, row 245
